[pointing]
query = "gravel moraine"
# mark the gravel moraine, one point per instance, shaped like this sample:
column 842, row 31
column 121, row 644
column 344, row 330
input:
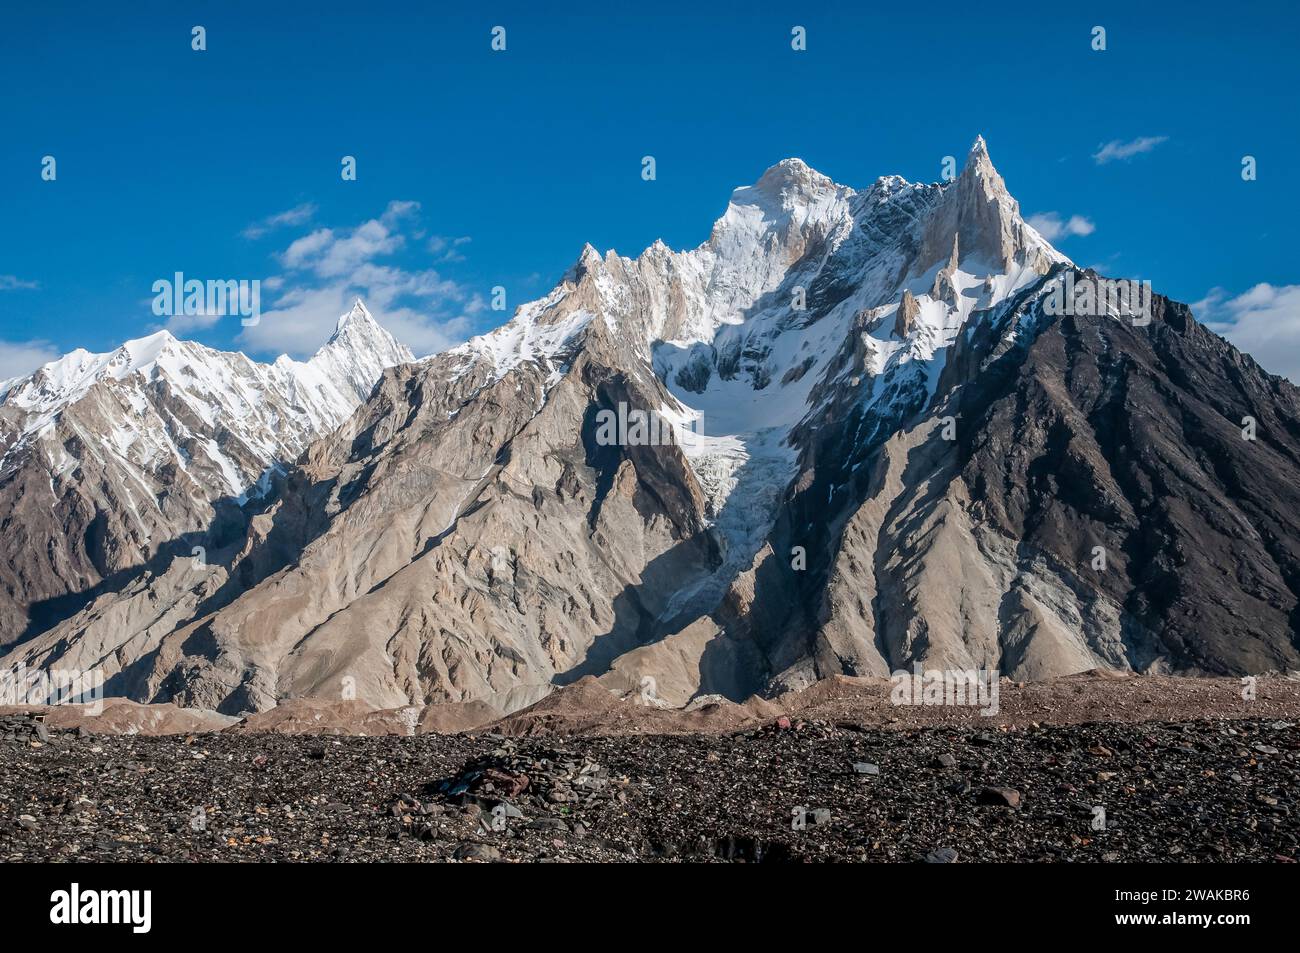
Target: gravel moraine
column 1191, row 791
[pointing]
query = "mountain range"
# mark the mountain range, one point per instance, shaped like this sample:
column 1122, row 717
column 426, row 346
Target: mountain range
column 885, row 446
column 110, row 461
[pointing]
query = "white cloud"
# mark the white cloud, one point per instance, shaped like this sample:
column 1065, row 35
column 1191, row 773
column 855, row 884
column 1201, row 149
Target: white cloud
column 1208, row 309
column 330, row 253
column 421, row 335
column 18, row 359
column 1118, row 149
column 1051, row 226
column 368, row 242
column 448, row 249
column 298, row 215
column 329, row 267
column 1264, row 322
column 302, row 250
column 14, row 283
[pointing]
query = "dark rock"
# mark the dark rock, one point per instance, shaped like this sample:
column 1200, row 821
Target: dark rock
column 1002, row 797
column 480, row 852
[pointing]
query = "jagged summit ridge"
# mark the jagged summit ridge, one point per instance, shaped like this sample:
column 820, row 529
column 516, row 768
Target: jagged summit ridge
column 767, row 228
column 981, row 213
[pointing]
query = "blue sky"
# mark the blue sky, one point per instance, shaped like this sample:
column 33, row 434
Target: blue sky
column 478, row 169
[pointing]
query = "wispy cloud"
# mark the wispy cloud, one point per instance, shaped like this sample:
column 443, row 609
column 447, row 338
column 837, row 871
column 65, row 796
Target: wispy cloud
column 1119, row 149
column 1052, row 226
column 330, row 253
column 20, row 358
column 290, row 218
column 447, row 249
column 1264, row 322
column 328, row 267
column 14, row 283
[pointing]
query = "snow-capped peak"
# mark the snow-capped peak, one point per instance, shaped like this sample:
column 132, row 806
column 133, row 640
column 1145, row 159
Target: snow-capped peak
column 67, row 378
column 792, row 220
column 354, row 356
column 145, row 350
column 789, row 196
column 170, row 392
column 358, row 332
column 791, row 180
column 358, row 312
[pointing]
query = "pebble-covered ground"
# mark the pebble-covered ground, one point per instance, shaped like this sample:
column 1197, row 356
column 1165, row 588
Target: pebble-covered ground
column 1194, row 791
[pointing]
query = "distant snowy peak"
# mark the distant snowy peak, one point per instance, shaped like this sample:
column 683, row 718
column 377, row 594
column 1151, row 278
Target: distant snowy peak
column 340, row 375
column 67, row 378
column 362, row 347
column 161, row 392
column 352, row 360
column 358, row 333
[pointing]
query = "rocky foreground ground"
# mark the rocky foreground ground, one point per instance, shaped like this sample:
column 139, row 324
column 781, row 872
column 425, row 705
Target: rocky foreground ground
column 787, row 791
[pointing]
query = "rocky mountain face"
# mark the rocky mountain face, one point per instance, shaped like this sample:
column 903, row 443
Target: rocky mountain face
column 849, row 432
column 110, row 463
